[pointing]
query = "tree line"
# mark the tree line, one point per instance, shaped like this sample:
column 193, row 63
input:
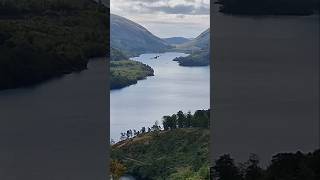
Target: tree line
column 131, row 133
column 283, row 166
column 200, row 119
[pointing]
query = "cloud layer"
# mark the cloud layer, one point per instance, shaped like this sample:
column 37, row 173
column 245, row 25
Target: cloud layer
column 195, row 7
column 154, row 13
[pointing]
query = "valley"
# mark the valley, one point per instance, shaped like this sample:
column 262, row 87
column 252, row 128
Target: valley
column 129, row 39
column 143, row 144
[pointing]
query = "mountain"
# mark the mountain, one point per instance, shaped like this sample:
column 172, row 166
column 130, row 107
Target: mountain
column 200, row 42
column 199, row 49
column 132, row 38
column 176, row 40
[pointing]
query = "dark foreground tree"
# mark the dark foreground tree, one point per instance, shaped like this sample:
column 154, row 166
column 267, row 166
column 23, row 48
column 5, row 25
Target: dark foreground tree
column 283, row 166
column 225, row 169
column 253, row 171
column 181, row 119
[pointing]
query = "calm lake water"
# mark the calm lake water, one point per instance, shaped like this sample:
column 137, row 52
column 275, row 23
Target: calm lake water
column 56, row 128
column 173, row 88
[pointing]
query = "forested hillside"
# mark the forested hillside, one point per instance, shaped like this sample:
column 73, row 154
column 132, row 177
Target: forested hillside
column 127, row 72
column 177, row 150
column 200, row 58
column 116, row 55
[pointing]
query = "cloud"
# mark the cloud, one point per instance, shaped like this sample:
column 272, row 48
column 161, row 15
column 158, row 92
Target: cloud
column 180, row 9
column 166, row 17
column 194, row 7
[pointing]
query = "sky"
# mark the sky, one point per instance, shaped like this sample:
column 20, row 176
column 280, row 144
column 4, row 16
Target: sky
column 166, row 18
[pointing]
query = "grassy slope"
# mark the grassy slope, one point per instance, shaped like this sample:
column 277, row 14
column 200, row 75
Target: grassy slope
column 40, row 40
column 157, row 155
column 127, row 72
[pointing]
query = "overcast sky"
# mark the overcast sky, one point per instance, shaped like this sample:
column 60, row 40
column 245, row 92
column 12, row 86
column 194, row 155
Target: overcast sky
column 166, row 18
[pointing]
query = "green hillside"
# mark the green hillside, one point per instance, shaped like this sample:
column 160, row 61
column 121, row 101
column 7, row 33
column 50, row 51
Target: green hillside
column 199, row 58
column 117, row 55
column 179, row 150
column 44, row 39
column 158, row 155
column 126, row 72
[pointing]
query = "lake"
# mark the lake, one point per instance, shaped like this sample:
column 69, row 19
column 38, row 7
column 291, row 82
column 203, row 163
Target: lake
column 173, row 88
column 56, row 128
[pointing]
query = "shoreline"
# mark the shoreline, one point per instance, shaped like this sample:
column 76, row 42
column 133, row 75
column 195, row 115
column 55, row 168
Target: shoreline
column 140, row 79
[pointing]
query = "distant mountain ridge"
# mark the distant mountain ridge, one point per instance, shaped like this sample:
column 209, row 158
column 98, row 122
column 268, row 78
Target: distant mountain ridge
column 198, row 43
column 132, row 38
column 176, row 40
column 199, row 49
